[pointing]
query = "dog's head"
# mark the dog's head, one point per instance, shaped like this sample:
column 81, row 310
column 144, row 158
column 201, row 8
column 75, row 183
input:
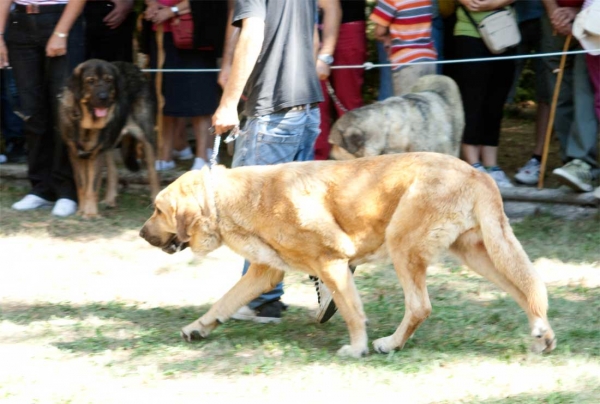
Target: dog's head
column 184, row 216
column 347, row 138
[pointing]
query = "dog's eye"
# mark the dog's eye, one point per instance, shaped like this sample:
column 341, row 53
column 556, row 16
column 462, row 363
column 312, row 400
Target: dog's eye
column 90, row 79
column 108, row 78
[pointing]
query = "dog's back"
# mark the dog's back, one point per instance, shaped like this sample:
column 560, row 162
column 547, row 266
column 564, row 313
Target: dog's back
column 430, row 118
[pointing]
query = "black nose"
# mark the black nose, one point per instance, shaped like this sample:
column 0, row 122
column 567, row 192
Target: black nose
column 143, row 232
column 103, row 96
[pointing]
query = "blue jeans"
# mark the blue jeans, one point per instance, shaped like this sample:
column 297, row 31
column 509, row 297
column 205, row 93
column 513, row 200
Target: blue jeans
column 277, row 138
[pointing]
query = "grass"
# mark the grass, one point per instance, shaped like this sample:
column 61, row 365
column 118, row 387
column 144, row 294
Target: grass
column 90, row 313
column 474, row 347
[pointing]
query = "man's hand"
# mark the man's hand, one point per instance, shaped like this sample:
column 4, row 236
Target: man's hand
column 56, row 46
column 323, row 70
column 152, row 8
column 119, row 13
column 562, row 19
column 3, row 54
column 163, row 14
column 224, row 119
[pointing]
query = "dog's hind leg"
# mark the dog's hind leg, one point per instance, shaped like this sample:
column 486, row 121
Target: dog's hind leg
column 112, row 181
column 258, row 279
column 414, row 238
column 338, row 278
column 526, row 287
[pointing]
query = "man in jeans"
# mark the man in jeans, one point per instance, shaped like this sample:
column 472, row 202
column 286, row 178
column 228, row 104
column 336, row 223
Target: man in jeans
column 45, row 42
column 274, row 66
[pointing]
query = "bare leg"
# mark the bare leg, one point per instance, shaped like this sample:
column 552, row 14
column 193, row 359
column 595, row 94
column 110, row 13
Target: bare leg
column 201, row 125
column 169, row 127
column 489, row 156
column 471, row 153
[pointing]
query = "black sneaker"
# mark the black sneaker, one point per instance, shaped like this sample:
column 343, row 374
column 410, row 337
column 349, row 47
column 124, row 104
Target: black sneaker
column 269, row 312
column 327, row 307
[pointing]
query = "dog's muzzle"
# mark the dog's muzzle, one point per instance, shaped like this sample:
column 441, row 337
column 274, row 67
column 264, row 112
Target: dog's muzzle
column 174, row 245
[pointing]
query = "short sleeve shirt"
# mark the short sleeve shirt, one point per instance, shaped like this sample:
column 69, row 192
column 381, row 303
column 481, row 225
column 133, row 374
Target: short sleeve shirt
column 285, row 73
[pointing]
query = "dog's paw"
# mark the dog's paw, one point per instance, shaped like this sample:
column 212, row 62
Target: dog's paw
column 544, row 338
column 545, row 344
column 383, row 345
column 194, row 332
column 353, row 352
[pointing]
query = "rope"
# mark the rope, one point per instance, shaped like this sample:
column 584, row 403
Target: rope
column 369, row 65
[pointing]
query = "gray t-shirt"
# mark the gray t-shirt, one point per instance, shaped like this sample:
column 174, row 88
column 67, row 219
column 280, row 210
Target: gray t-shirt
column 285, row 73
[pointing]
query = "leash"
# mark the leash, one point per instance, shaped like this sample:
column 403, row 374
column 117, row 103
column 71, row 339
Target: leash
column 334, row 97
column 231, row 136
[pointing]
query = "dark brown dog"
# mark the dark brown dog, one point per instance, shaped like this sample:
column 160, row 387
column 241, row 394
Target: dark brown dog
column 105, row 104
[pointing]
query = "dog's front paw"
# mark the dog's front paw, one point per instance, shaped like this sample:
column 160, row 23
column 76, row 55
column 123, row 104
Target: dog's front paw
column 109, row 203
column 383, row 345
column 353, row 352
column 194, row 332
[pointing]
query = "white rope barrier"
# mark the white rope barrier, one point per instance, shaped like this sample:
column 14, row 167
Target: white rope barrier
column 370, row 65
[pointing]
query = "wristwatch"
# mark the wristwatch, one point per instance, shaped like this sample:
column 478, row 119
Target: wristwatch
column 175, row 10
column 327, row 59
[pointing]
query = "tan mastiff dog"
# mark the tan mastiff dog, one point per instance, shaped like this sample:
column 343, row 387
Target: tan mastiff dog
column 318, row 217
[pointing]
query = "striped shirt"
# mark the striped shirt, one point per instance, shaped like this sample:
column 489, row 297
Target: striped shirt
column 41, row 2
column 409, row 23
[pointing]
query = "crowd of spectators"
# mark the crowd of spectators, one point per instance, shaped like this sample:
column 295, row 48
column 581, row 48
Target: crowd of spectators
column 42, row 40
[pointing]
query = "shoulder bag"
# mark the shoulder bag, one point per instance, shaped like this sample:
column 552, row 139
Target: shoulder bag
column 499, row 30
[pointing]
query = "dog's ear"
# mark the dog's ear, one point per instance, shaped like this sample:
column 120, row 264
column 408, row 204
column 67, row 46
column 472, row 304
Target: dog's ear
column 353, row 139
column 75, row 82
column 186, row 216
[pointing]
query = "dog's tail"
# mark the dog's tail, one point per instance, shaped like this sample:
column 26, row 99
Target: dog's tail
column 505, row 251
column 129, row 153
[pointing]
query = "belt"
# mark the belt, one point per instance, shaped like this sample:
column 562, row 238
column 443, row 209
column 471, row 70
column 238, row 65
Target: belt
column 39, row 9
column 299, row 107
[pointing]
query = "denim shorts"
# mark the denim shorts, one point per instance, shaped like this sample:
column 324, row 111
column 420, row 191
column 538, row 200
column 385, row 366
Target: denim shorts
column 277, row 138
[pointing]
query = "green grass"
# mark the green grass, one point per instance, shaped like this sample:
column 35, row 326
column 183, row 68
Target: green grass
column 472, row 323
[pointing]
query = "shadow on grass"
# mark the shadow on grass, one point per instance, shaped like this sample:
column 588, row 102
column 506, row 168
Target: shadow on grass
column 557, row 397
column 460, row 327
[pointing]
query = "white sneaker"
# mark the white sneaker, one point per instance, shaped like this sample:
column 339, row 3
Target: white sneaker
column 500, row 177
column 161, row 165
column 2, row 159
column 30, row 202
column 198, row 163
column 327, row 307
column 577, row 174
column 479, row 167
column 529, row 174
column 185, row 154
column 64, row 207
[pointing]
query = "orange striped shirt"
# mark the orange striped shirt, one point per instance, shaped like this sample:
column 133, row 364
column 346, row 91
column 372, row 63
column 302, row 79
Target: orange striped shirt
column 409, row 24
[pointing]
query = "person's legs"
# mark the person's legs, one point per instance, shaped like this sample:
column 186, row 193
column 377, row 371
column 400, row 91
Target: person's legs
column 284, row 137
column 386, row 86
column 201, row 124
column 593, row 64
column 582, row 143
column 437, row 34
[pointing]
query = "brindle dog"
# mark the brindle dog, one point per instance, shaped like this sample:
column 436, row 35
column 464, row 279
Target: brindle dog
column 102, row 105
